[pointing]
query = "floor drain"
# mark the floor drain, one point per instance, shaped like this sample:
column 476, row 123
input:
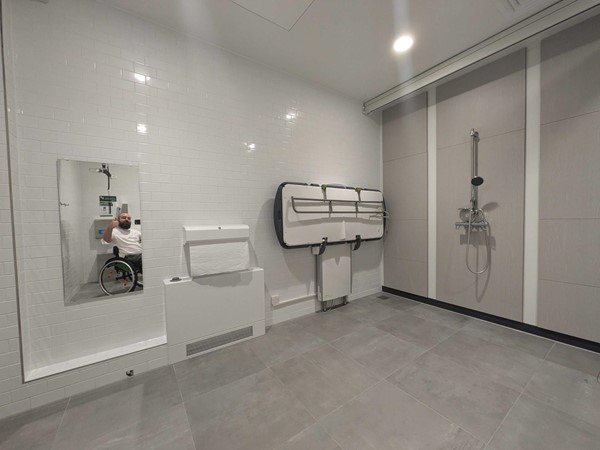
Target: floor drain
column 383, row 297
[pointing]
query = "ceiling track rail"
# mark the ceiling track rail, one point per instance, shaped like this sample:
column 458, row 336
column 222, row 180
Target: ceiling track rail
column 532, row 27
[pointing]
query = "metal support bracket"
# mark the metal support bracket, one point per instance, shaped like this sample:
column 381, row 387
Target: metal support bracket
column 322, row 247
column 357, row 243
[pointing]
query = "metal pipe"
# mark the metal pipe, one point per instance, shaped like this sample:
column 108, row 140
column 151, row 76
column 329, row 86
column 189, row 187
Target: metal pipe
column 474, row 165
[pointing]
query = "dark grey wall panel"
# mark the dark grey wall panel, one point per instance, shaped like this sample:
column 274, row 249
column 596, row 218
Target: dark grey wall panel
column 404, row 136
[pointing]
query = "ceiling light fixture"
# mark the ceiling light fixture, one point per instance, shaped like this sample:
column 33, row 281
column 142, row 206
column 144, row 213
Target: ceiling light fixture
column 403, row 43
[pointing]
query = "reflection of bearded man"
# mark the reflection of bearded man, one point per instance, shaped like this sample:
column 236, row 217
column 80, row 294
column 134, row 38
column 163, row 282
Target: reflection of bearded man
column 125, row 221
column 128, row 241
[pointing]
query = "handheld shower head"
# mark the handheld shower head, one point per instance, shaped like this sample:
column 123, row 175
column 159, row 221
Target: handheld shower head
column 477, row 181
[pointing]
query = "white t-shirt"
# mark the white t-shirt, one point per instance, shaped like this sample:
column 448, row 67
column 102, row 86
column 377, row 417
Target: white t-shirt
column 128, row 241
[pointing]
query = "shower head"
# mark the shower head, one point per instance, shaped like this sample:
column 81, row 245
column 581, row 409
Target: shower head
column 477, row 181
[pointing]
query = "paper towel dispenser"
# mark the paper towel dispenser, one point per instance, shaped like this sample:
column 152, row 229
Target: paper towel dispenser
column 214, row 249
column 100, row 224
column 216, row 232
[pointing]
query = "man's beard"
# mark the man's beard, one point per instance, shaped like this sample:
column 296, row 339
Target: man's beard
column 125, row 225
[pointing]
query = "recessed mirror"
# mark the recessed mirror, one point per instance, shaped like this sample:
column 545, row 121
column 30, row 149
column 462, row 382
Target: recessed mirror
column 100, row 230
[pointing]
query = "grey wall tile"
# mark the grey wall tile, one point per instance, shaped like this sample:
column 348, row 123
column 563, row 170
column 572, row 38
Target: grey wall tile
column 404, row 129
column 407, row 239
column 569, row 163
column 405, row 187
column 407, row 276
column 570, row 72
column 570, row 251
column 490, row 99
column 569, row 308
column 569, row 167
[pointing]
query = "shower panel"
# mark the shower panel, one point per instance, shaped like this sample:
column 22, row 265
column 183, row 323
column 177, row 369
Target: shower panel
column 473, row 219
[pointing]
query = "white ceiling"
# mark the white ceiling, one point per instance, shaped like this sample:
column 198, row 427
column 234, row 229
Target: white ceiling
column 345, row 45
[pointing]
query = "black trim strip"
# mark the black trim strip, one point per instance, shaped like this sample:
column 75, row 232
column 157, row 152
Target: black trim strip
column 531, row 329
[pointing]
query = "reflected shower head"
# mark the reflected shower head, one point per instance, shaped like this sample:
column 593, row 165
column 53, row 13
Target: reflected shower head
column 477, row 181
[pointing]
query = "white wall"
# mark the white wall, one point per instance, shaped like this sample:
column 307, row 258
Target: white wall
column 76, row 97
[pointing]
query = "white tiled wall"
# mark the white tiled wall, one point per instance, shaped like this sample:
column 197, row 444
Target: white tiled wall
column 77, row 96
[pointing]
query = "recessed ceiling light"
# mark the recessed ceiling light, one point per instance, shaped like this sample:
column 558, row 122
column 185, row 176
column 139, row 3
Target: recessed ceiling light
column 403, row 43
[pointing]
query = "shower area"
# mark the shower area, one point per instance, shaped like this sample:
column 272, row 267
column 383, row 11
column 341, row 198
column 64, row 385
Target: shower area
column 466, row 218
column 472, row 219
column 489, row 179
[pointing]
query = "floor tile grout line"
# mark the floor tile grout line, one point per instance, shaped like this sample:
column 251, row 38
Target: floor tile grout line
column 423, row 351
column 198, row 394
column 351, row 400
column 316, row 421
column 549, row 350
column 557, row 407
column 500, row 344
column 347, row 401
column 62, row 418
column 384, row 380
column 522, row 395
column 183, row 404
column 515, row 402
column 434, row 410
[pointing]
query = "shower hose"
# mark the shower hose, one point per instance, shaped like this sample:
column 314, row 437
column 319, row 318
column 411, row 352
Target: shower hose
column 474, row 213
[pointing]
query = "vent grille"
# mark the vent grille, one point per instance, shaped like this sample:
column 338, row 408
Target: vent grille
column 217, row 341
column 383, row 297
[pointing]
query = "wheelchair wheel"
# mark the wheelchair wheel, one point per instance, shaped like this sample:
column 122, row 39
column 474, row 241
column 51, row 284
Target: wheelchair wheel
column 117, row 277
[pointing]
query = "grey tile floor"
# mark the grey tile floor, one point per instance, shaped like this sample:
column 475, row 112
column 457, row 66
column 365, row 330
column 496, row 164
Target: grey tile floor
column 375, row 374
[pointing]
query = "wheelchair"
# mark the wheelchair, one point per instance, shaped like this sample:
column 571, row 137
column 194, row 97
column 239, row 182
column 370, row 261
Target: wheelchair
column 120, row 275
